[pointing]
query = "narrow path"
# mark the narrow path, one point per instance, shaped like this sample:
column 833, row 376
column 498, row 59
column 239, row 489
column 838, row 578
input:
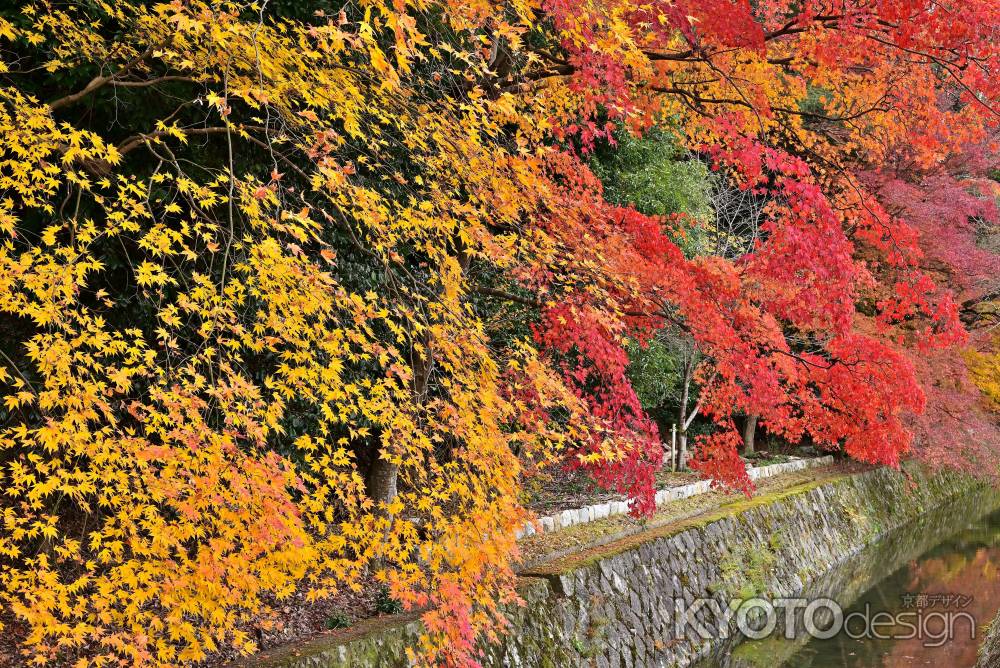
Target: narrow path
column 540, row 549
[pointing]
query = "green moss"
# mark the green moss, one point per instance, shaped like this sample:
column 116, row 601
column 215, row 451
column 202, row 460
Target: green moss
column 746, row 571
column 771, row 651
column 588, row 650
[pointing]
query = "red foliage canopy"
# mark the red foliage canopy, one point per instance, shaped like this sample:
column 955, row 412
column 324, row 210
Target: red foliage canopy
column 803, row 102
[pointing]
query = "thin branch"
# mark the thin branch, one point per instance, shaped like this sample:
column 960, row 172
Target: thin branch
column 152, row 82
column 508, row 296
column 132, row 143
column 100, row 82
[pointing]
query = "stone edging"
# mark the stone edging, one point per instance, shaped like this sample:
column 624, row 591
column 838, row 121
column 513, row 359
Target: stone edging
column 599, row 511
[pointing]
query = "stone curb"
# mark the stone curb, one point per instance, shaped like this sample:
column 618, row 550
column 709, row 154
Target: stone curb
column 599, row 511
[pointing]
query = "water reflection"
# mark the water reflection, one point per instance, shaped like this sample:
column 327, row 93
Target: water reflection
column 944, row 587
column 940, row 572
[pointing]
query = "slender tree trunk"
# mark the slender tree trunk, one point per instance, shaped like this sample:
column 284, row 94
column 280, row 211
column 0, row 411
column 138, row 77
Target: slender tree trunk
column 673, row 447
column 383, row 475
column 749, row 430
column 682, row 452
column 682, row 415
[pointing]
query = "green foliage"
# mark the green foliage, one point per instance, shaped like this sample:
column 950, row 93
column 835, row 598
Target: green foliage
column 657, row 373
column 817, row 101
column 653, row 174
column 385, row 603
column 338, row 620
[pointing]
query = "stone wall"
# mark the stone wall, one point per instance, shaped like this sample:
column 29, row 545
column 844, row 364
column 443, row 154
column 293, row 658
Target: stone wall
column 614, row 605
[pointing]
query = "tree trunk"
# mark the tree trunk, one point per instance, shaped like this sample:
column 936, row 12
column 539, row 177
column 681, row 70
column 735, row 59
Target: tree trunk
column 682, row 416
column 381, row 483
column 673, row 447
column 749, row 430
column 382, row 477
column 682, row 452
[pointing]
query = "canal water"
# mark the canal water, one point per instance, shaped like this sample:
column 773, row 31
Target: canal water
column 921, row 596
